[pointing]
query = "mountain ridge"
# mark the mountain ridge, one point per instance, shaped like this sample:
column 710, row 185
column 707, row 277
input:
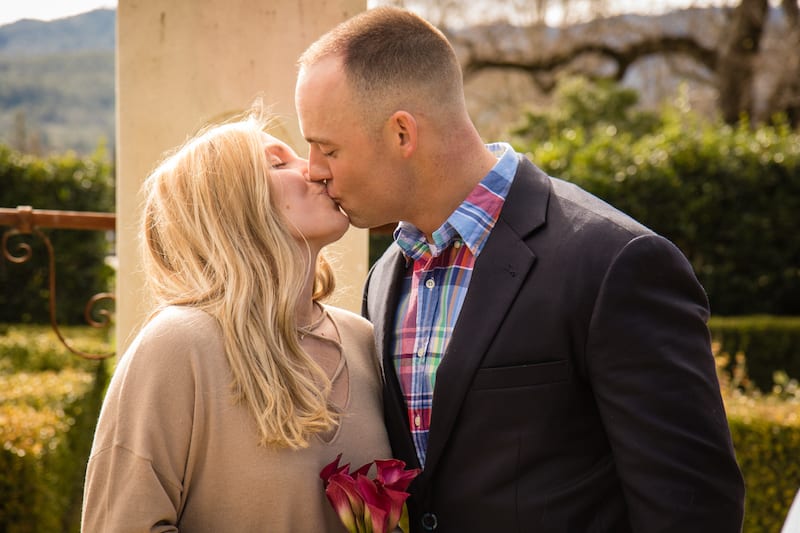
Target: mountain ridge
column 91, row 31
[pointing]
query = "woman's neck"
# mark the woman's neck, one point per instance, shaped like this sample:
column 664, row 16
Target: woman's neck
column 306, row 310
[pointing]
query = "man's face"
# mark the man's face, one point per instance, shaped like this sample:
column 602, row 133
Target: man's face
column 357, row 166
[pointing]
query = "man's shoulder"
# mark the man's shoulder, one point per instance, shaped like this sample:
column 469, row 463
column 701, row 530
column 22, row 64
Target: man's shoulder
column 581, row 203
column 567, row 200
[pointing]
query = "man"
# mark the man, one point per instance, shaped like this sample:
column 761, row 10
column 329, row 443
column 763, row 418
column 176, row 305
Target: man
column 546, row 357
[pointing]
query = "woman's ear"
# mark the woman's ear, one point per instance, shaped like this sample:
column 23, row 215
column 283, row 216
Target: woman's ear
column 403, row 132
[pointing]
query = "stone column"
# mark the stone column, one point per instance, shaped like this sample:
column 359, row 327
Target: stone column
column 182, row 63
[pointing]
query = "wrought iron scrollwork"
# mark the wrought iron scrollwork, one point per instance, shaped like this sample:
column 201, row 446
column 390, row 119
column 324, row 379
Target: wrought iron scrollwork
column 24, row 219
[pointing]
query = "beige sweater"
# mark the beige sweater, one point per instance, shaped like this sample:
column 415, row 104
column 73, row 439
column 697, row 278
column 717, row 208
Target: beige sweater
column 173, row 453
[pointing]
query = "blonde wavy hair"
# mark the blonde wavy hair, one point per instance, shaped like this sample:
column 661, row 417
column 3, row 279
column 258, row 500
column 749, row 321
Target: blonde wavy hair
column 213, row 239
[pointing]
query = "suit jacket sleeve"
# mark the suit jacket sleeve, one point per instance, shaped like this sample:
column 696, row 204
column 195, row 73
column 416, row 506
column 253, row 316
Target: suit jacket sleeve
column 654, row 379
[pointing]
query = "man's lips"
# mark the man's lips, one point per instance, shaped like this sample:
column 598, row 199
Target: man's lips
column 338, row 205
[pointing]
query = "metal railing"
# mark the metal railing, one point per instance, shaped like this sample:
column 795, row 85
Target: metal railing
column 24, row 220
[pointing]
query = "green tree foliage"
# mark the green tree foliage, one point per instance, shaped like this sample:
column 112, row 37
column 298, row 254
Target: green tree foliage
column 57, row 88
column 728, row 196
column 64, row 182
column 53, row 94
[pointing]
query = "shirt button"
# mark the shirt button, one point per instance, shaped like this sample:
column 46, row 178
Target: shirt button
column 457, row 245
column 421, row 352
column 430, row 283
column 417, row 421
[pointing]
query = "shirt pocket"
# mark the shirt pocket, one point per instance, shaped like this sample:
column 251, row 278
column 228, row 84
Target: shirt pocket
column 519, row 376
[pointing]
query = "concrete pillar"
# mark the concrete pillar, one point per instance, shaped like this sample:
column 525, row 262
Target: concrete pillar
column 183, row 63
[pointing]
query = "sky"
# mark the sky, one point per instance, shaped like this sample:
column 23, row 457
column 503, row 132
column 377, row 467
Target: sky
column 13, row 10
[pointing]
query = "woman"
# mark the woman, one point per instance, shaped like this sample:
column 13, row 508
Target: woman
column 241, row 386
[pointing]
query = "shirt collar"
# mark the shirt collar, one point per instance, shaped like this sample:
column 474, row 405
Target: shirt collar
column 474, row 219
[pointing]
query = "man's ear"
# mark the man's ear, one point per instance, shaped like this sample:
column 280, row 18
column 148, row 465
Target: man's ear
column 403, row 132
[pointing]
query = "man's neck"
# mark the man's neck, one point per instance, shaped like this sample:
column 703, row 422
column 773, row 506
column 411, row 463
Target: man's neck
column 448, row 185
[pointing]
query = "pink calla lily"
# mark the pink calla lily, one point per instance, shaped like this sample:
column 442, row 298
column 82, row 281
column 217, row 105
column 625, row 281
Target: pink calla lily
column 361, row 471
column 397, row 499
column 333, row 468
column 337, row 494
column 376, row 503
column 348, row 486
column 365, row 505
column 375, row 519
column 392, row 473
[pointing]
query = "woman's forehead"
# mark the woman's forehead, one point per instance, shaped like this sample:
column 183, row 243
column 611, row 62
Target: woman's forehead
column 273, row 142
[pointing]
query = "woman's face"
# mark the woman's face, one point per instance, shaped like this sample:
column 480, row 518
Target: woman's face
column 306, row 205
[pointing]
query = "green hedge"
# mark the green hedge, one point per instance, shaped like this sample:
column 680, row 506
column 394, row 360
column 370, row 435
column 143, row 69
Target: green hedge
column 49, row 403
column 766, row 436
column 64, row 182
column 50, row 399
column 767, row 453
column 729, row 197
column 771, row 344
column 47, row 420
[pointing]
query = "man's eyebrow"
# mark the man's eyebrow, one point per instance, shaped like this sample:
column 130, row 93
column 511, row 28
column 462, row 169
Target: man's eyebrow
column 318, row 140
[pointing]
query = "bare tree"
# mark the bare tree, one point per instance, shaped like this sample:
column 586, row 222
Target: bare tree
column 717, row 48
column 786, row 97
column 739, row 51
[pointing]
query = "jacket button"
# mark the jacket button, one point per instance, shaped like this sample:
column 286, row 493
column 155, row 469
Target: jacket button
column 429, row 522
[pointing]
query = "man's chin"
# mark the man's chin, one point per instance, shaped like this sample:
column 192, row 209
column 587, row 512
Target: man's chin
column 361, row 222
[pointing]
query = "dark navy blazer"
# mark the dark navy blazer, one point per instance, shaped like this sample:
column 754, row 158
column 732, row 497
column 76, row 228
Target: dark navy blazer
column 578, row 392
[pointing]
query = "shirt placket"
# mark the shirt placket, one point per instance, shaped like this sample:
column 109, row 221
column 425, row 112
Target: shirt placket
column 427, row 308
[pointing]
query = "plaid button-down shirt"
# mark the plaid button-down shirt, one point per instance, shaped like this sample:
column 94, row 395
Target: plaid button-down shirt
column 435, row 286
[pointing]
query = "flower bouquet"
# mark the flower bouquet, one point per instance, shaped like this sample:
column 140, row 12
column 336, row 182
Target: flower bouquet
column 367, row 505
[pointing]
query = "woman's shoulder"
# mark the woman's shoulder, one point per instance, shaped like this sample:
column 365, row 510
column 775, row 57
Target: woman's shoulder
column 349, row 319
column 179, row 321
column 175, row 331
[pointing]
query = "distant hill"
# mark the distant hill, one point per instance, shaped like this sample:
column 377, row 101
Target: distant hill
column 57, row 83
column 93, row 31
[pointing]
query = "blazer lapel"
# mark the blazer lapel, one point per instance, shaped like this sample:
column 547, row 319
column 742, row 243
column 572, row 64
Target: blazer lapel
column 384, row 288
column 501, row 269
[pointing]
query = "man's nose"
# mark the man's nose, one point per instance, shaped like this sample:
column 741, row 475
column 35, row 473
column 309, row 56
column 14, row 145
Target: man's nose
column 318, row 168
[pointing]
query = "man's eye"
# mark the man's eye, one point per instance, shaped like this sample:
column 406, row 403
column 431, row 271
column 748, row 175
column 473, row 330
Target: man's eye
column 329, row 154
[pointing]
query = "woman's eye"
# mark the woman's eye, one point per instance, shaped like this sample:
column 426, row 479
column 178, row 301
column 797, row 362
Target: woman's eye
column 278, row 164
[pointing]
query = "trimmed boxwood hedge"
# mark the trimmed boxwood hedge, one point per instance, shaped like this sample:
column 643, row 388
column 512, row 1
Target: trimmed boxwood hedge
column 770, row 344
column 766, row 436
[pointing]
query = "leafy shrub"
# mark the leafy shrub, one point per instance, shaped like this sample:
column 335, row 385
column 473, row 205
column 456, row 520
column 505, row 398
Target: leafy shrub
column 64, row 183
column 47, row 420
column 771, row 344
column 34, row 348
column 766, row 436
column 727, row 196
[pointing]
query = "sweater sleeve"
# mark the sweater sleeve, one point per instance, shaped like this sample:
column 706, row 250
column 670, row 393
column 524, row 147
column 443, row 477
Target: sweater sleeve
column 137, row 469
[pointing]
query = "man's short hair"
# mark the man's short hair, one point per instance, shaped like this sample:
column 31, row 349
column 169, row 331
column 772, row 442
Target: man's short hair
column 390, row 53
